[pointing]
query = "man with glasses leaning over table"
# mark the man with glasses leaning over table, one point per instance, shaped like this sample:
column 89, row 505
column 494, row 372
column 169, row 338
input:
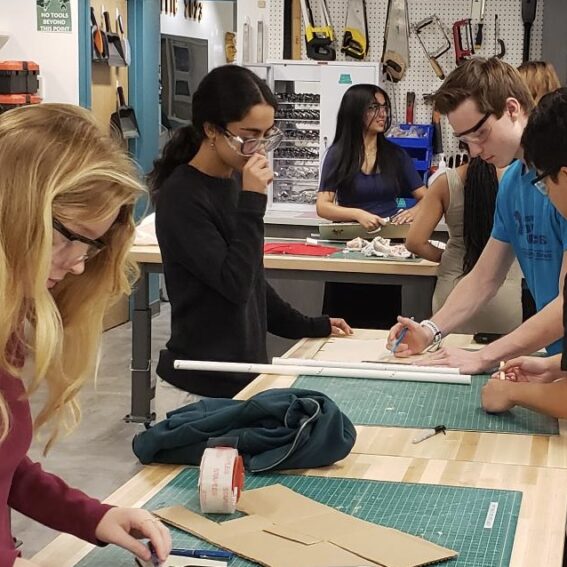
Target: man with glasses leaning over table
column 534, row 382
column 488, row 105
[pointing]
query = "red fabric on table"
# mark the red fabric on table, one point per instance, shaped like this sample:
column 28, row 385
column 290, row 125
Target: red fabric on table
column 298, row 249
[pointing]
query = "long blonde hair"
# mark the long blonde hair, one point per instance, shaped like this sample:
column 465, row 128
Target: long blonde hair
column 540, row 77
column 56, row 161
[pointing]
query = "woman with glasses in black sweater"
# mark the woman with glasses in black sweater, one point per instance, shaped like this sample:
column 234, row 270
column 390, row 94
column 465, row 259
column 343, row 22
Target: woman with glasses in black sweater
column 211, row 234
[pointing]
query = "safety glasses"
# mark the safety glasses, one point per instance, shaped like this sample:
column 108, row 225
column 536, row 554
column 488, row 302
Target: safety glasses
column 93, row 246
column 539, row 182
column 249, row 146
column 477, row 134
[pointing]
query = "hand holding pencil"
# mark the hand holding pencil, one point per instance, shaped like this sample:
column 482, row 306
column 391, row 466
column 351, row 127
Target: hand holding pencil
column 407, row 338
column 530, row 369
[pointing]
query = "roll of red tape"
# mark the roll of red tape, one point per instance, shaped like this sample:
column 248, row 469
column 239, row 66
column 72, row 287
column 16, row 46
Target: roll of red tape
column 221, row 480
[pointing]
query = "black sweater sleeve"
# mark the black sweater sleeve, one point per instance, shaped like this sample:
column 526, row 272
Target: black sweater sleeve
column 285, row 321
column 188, row 230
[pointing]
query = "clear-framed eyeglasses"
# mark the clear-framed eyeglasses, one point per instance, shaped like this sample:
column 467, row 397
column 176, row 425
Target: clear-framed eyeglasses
column 377, row 108
column 249, row 146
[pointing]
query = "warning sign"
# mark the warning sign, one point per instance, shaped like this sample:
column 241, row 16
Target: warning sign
column 54, row 16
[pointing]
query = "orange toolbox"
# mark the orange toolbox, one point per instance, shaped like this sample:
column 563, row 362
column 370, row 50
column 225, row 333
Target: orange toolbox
column 19, row 77
column 7, row 102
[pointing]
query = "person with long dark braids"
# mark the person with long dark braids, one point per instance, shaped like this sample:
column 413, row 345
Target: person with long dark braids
column 466, row 197
column 363, row 173
column 211, row 233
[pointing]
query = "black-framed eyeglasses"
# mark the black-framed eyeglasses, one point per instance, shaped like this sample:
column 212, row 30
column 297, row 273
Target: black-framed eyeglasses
column 376, row 107
column 539, row 183
column 471, row 136
column 94, row 245
column 249, row 146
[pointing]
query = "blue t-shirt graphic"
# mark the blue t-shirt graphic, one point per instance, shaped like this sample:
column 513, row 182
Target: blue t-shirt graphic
column 527, row 220
column 372, row 192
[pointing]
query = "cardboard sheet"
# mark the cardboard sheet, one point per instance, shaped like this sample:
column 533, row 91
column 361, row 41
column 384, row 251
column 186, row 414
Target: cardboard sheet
column 283, row 528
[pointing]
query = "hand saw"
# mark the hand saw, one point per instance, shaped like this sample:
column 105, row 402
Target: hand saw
column 355, row 39
column 434, row 29
column 462, row 39
column 395, row 57
column 318, row 40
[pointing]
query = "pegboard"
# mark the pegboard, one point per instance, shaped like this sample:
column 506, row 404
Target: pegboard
column 420, row 77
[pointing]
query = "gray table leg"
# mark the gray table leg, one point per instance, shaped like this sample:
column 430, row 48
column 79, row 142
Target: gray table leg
column 142, row 390
column 417, row 294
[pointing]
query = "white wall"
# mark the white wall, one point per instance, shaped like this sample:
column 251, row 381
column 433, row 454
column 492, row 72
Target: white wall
column 217, row 19
column 56, row 53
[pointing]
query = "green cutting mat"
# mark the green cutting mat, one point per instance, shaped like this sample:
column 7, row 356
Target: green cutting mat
column 353, row 255
column 454, row 517
column 424, row 405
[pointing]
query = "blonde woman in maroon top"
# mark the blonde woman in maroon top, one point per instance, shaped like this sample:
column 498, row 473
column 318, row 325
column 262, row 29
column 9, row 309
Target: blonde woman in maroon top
column 66, row 198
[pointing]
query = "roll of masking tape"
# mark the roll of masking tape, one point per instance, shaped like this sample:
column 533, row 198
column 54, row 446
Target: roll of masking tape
column 221, row 480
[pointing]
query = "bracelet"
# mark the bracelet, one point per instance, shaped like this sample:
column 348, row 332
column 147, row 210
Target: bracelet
column 437, row 334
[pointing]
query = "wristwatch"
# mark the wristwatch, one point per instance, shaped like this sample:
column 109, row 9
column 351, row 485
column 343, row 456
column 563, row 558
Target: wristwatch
column 437, row 334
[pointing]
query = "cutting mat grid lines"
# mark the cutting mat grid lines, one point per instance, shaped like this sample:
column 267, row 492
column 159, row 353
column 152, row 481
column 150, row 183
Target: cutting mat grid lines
column 450, row 516
column 424, row 405
column 420, row 77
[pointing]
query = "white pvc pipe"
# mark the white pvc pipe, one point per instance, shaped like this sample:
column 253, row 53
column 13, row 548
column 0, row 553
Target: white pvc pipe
column 366, row 365
column 402, row 375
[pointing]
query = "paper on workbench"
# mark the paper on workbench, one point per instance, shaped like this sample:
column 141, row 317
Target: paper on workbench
column 146, row 232
column 339, row 349
column 347, row 349
column 182, row 561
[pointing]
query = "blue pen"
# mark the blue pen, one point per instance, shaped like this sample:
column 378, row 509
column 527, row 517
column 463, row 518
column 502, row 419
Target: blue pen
column 154, row 558
column 399, row 339
column 202, row 553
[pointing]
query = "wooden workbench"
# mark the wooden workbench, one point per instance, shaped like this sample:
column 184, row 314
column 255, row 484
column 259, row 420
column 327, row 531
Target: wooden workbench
column 536, row 466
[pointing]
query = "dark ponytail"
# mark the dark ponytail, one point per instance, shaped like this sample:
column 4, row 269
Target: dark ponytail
column 181, row 148
column 225, row 95
column 481, row 187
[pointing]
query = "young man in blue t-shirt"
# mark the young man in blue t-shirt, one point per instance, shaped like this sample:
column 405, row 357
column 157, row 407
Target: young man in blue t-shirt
column 488, row 105
column 531, row 380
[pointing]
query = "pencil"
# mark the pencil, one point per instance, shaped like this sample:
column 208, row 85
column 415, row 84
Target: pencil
column 502, row 374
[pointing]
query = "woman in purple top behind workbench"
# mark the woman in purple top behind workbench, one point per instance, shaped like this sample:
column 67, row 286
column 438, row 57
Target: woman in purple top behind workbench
column 363, row 176
column 364, row 173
